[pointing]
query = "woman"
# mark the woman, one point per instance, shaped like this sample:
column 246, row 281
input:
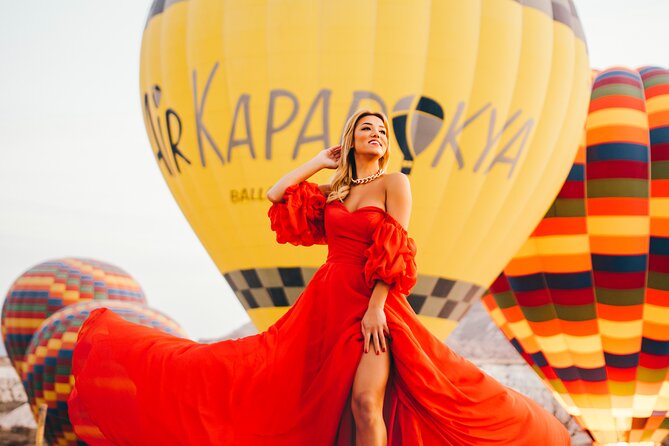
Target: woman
column 349, row 362
column 359, row 183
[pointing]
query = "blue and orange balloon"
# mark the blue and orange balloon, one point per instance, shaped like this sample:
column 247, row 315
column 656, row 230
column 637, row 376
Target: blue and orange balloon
column 586, row 299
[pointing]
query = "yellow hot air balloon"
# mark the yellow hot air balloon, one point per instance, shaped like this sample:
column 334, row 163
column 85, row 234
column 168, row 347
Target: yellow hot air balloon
column 487, row 100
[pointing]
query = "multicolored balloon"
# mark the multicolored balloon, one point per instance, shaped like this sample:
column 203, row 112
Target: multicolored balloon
column 487, row 100
column 586, row 299
column 47, row 378
column 46, row 288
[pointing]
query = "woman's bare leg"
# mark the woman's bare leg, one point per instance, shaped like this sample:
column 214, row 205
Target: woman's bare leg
column 369, row 386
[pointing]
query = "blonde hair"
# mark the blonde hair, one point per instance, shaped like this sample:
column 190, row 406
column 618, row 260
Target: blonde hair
column 340, row 185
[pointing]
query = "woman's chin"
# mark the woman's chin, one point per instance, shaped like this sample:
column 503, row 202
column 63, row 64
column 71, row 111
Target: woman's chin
column 375, row 151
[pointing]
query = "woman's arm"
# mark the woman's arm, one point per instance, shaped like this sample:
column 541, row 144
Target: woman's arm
column 398, row 198
column 326, row 159
column 398, row 204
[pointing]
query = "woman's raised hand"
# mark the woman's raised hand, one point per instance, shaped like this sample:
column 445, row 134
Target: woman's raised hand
column 329, row 157
column 325, row 159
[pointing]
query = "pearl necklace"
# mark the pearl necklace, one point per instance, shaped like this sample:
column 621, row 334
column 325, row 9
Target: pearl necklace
column 369, row 178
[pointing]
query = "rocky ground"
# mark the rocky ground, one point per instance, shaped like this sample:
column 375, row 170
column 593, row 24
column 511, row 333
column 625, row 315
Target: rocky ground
column 17, row 426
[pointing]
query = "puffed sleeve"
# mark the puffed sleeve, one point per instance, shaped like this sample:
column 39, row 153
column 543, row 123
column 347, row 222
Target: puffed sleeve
column 299, row 217
column 391, row 257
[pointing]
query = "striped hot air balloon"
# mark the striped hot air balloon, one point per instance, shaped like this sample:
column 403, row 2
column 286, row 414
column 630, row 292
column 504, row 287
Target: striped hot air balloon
column 47, row 377
column 586, row 299
column 487, row 100
column 49, row 286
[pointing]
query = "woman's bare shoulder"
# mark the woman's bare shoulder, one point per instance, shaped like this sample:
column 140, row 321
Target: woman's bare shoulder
column 397, row 182
column 325, row 189
column 398, row 197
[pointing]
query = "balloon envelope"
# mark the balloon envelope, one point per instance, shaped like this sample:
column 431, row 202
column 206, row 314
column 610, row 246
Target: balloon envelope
column 487, row 100
column 47, row 377
column 52, row 285
column 586, row 299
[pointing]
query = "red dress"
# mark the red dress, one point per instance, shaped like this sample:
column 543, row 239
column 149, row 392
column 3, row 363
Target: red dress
column 290, row 385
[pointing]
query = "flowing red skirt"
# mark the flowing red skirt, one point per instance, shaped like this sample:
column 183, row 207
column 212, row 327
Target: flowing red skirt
column 291, row 385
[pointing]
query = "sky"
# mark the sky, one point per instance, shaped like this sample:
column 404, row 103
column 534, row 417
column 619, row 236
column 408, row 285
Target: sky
column 78, row 177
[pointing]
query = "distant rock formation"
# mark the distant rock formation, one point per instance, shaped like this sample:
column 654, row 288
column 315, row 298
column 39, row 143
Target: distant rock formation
column 17, row 426
column 478, row 339
column 12, row 394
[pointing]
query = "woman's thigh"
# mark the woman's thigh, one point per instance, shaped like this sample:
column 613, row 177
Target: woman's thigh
column 372, row 375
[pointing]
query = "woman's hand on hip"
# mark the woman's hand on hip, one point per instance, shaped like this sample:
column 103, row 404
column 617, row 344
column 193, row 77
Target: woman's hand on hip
column 374, row 329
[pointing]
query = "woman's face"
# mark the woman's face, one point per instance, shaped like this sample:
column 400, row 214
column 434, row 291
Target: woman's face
column 370, row 136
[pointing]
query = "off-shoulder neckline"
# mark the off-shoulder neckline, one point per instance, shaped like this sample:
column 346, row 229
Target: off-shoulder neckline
column 375, row 209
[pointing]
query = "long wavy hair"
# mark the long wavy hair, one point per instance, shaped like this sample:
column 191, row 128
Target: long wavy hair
column 340, row 186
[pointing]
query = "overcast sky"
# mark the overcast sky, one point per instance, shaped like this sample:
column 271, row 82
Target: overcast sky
column 77, row 175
